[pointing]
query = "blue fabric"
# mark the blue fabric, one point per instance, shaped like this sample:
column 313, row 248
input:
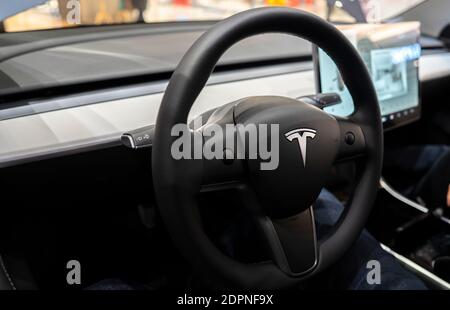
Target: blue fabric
column 351, row 272
column 416, row 159
column 420, row 172
column 116, row 285
column 429, row 155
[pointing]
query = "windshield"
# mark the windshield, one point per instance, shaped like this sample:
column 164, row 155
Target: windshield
column 28, row 15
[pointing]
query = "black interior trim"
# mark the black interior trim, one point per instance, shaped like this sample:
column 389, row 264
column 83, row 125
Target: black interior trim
column 68, row 89
column 54, row 39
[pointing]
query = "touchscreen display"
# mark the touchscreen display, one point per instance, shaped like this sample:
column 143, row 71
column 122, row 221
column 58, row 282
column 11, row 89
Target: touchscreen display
column 391, row 53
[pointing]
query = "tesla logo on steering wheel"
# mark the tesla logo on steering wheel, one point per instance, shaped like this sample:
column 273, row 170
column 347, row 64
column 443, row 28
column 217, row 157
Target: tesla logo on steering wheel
column 301, row 135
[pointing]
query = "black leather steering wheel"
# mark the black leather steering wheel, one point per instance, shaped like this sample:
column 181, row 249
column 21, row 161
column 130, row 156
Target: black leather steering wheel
column 282, row 197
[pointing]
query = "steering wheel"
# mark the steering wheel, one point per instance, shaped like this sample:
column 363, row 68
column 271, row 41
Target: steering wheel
column 281, row 199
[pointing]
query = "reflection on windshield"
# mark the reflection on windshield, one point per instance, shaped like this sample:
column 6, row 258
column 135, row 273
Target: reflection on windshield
column 69, row 13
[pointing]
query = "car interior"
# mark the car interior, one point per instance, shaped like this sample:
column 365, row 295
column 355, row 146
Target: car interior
column 85, row 139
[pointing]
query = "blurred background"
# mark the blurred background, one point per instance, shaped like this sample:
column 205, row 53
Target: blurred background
column 53, row 13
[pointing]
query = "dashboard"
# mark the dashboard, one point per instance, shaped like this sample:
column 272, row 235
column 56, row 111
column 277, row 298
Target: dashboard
column 68, row 124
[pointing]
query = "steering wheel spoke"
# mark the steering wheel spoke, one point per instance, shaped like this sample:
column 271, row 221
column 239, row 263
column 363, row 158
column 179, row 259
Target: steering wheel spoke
column 352, row 144
column 292, row 242
column 220, row 160
column 222, row 173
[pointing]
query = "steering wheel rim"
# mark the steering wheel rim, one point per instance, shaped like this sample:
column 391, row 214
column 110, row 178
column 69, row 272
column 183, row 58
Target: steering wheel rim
column 177, row 201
